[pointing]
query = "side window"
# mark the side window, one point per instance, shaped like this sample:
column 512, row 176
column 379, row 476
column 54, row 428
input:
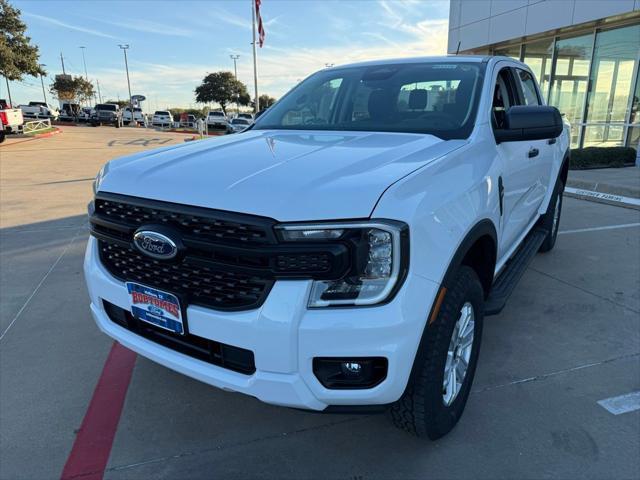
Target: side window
column 529, row 90
column 503, row 97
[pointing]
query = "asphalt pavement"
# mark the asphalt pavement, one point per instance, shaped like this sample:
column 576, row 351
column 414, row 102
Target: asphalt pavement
column 568, row 339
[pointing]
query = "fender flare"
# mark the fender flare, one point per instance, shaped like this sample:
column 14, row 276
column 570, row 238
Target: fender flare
column 480, row 229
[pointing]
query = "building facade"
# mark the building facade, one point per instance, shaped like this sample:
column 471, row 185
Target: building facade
column 585, row 54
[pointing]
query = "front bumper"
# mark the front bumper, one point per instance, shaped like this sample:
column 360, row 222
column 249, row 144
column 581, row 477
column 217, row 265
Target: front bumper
column 285, row 336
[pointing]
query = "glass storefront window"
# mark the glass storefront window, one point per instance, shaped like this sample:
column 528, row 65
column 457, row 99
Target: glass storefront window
column 538, row 56
column 512, row 51
column 570, row 79
column 614, row 61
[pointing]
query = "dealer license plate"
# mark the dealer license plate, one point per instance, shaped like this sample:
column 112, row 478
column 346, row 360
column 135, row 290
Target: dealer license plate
column 156, row 307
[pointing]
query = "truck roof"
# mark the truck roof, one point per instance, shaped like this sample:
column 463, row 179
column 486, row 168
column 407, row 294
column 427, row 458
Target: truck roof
column 430, row 59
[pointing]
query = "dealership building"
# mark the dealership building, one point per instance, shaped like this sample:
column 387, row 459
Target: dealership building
column 585, row 54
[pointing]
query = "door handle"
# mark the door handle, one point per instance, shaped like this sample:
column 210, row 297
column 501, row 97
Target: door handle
column 551, row 141
column 533, row 152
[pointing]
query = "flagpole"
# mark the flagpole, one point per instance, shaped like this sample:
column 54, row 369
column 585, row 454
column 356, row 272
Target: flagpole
column 255, row 61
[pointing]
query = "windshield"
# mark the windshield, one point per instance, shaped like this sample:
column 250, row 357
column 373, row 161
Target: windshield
column 239, row 121
column 244, row 115
column 111, row 108
column 216, row 114
column 161, row 113
column 435, row 98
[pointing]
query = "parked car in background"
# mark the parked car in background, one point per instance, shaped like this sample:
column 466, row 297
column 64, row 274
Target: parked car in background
column 217, row 120
column 138, row 116
column 39, row 110
column 188, row 121
column 338, row 258
column 162, row 118
column 85, row 114
column 71, row 112
column 107, row 113
column 240, row 124
column 246, row 116
column 11, row 120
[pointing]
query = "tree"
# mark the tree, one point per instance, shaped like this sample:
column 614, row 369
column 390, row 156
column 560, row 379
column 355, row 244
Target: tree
column 66, row 87
column 222, row 88
column 17, row 56
column 266, row 101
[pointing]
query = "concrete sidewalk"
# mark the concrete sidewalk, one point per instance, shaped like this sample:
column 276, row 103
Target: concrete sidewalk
column 616, row 181
column 606, row 185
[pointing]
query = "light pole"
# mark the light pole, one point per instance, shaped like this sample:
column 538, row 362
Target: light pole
column 126, row 66
column 84, row 62
column 42, row 82
column 235, row 66
column 235, row 73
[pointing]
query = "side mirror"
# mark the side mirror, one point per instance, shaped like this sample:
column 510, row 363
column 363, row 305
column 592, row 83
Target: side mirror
column 530, row 122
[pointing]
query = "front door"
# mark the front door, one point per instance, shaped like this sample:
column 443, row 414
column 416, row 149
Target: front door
column 521, row 170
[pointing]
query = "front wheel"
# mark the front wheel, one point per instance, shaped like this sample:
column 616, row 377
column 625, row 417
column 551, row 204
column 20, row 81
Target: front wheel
column 2, row 136
column 550, row 221
column 438, row 390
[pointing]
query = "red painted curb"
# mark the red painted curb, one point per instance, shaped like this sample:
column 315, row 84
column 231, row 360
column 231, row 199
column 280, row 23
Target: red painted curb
column 48, row 134
column 92, row 447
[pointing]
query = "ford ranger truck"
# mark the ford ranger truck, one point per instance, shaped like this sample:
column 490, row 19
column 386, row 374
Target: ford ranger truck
column 341, row 254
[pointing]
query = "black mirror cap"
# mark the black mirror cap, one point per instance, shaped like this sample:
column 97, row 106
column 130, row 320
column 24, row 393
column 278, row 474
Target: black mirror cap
column 530, row 122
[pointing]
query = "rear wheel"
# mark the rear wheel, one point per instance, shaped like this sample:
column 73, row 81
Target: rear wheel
column 437, row 394
column 550, row 221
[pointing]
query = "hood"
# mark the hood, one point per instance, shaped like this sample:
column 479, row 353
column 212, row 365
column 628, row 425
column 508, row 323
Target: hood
column 285, row 175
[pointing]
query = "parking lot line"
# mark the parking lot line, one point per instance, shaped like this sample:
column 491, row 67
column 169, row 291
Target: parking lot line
column 35, row 290
column 92, row 447
column 595, row 229
column 622, row 403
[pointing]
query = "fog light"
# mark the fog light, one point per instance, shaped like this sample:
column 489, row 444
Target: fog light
column 352, row 368
column 350, row 373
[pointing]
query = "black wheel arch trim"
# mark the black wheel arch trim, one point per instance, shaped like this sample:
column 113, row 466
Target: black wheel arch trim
column 482, row 228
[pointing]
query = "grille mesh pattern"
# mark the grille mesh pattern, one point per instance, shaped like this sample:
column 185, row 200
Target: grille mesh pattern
column 205, row 228
column 204, row 286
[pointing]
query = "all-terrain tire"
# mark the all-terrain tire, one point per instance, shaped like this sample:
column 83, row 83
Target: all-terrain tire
column 554, row 211
column 422, row 410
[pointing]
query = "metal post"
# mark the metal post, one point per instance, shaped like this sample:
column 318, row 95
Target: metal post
column 235, row 73
column 8, row 91
column 62, row 61
column 84, row 62
column 126, row 66
column 255, row 54
column 99, row 94
column 42, row 83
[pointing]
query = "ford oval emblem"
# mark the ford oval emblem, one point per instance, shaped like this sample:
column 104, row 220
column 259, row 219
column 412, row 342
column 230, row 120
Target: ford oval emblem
column 155, row 245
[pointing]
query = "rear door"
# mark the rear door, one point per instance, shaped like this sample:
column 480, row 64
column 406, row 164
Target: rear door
column 519, row 182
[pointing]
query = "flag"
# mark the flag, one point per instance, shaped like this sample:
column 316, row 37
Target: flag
column 260, row 26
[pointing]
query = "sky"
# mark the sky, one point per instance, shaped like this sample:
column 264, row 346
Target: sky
column 174, row 44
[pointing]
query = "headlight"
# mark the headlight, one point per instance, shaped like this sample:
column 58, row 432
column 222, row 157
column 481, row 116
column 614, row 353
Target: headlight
column 98, row 180
column 379, row 260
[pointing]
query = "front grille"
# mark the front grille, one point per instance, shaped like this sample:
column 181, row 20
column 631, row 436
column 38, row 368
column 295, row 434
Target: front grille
column 220, row 354
column 212, row 228
column 195, row 283
column 226, row 261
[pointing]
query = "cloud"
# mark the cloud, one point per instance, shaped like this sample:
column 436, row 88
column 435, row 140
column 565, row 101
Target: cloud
column 141, row 25
column 58, row 23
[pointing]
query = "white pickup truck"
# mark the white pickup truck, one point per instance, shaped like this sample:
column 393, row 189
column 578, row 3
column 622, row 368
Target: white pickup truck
column 11, row 120
column 342, row 253
column 39, row 110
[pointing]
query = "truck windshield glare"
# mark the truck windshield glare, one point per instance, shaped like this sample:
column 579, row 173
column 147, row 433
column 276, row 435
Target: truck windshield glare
column 434, row 98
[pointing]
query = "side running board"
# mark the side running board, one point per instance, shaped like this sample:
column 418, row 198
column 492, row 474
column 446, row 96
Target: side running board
column 513, row 271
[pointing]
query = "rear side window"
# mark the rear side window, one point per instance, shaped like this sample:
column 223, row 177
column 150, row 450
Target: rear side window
column 529, row 90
